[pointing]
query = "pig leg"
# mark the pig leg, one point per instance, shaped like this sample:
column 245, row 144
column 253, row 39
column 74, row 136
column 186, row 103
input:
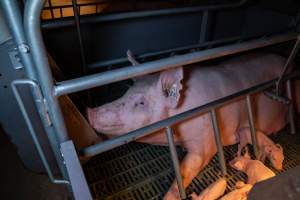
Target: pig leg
column 189, row 168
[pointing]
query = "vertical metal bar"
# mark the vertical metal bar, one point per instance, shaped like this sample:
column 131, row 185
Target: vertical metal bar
column 51, row 9
column 37, row 92
column 57, row 133
column 78, row 182
column 82, row 51
column 61, row 12
column 252, row 125
column 204, row 24
column 14, row 19
column 218, row 141
column 175, row 161
column 291, row 107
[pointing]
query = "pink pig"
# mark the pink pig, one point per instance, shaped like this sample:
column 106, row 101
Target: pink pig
column 240, row 193
column 267, row 148
column 255, row 169
column 212, row 192
column 161, row 95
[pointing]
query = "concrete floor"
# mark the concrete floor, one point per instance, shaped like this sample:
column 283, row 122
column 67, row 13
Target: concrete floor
column 19, row 183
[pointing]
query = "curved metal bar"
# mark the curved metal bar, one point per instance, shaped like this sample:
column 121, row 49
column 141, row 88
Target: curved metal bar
column 140, row 14
column 38, row 93
column 33, row 33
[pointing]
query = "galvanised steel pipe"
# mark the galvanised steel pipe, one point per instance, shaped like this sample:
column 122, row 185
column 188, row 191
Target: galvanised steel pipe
column 32, row 26
column 218, row 141
column 252, row 126
column 140, row 14
column 134, row 135
column 14, row 20
column 175, row 161
column 87, row 82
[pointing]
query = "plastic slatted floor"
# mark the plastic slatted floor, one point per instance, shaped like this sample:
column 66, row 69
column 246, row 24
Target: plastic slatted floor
column 141, row 171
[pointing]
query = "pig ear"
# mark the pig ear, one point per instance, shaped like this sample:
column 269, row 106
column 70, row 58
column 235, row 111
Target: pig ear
column 279, row 147
column 170, row 84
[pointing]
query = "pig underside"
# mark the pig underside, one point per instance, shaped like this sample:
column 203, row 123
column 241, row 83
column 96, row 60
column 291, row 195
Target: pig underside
column 202, row 85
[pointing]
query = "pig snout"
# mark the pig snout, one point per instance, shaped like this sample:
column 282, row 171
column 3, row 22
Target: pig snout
column 104, row 120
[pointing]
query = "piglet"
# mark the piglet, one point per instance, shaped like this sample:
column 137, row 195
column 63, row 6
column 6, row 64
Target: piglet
column 255, row 169
column 240, row 193
column 267, row 148
column 212, row 192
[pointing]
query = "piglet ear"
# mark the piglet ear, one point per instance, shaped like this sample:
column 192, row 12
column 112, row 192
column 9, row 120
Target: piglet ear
column 170, row 84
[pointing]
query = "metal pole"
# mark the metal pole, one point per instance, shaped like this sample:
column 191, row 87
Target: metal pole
column 252, row 125
column 147, row 130
column 57, row 132
column 174, row 156
column 99, row 79
column 14, row 19
column 291, row 107
column 218, row 141
column 141, row 14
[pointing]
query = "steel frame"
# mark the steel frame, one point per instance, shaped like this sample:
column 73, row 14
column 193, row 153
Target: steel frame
column 34, row 57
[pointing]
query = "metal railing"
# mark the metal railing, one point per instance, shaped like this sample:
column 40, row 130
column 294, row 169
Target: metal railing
column 51, row 92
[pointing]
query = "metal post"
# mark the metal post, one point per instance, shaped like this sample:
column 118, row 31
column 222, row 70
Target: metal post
column 218, row 141
column 57, row 132
column 175, row 161
column 291, row 107
column 204, row 27
column 13, row 17
column 252, row 125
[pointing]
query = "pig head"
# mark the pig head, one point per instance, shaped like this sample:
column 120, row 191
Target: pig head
column 146, row 102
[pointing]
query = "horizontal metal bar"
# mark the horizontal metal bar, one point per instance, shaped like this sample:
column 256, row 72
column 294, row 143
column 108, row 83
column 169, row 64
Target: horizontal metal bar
column 133, row 15
column 134, row 135
column 86, row 82
column 38, row 93
column 106, row 63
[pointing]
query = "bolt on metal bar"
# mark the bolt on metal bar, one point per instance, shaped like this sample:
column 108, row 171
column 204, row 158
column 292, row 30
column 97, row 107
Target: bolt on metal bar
column 252, row 125
column 90, row 81
column 175, row 161
column 291, row 111
column 218, row 141
column 37, row 91
column 147, row 130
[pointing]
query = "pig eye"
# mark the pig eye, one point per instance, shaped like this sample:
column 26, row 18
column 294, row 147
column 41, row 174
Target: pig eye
column 142, row 103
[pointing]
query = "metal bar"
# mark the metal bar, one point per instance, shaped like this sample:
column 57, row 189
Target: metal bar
column 147, row 130
column 291, row 107
column 33, row 32
column 99, row 79
column 218, row 141
column 204, row 24
column 14, row 19
column 288, row 63
column 38, row 93
column 174, row 157
column 168, row 51
column 51, row 9
column 140, row 14
column 252, row 126
column 78, row 28
column 78, row 182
